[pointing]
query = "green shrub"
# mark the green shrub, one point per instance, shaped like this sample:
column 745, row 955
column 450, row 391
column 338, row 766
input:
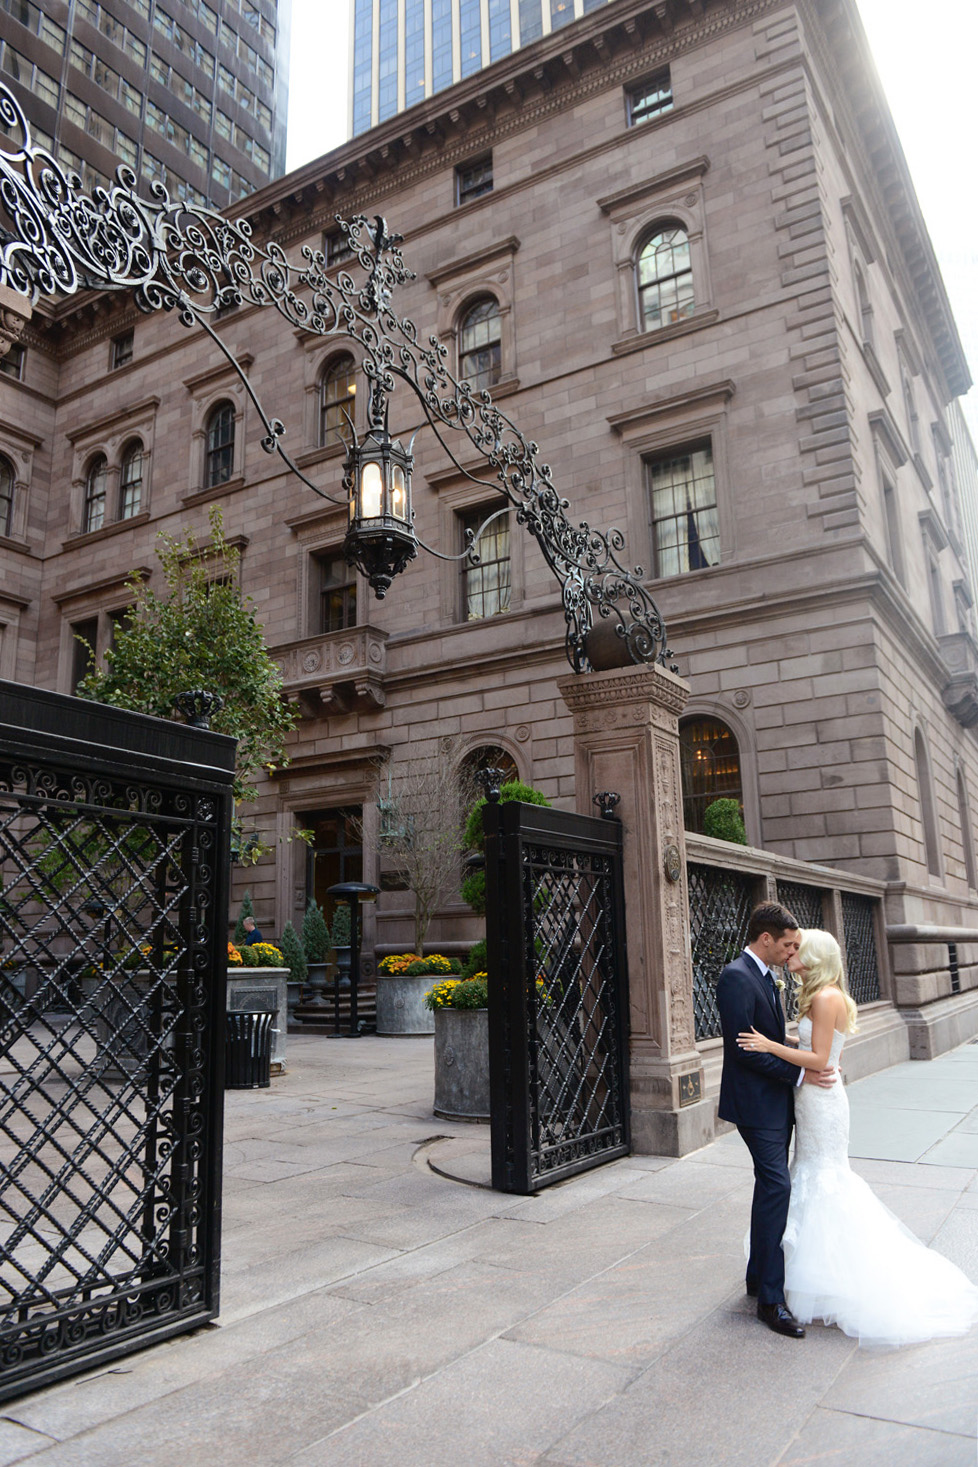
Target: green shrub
column 294, row 954
column 341, row 932
column 315, row 934
column 477, row 960
column 473, row 887
column 723, row 821
column 247, row 910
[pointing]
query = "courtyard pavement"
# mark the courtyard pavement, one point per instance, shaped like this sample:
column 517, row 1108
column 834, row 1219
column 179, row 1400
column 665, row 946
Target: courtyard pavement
column 375, row 1312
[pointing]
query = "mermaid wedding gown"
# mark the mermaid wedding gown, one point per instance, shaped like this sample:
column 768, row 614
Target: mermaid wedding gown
column 848, row 1260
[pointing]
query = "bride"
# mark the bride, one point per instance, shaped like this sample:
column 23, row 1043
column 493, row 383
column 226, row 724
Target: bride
column 848, row 1260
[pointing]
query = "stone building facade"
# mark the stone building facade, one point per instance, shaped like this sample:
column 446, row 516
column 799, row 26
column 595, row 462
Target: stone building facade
column 697, row 275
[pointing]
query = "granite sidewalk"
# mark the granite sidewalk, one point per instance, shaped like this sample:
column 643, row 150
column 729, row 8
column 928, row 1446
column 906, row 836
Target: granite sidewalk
column 376, row 1312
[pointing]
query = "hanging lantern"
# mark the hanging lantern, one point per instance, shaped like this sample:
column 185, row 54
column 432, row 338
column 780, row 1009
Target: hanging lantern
column 377, row 478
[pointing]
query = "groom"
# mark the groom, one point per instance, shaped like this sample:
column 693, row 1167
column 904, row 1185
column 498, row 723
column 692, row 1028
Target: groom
column 757, row 1094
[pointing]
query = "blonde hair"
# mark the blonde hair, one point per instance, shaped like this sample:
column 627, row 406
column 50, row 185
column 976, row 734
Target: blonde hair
column 821, row 967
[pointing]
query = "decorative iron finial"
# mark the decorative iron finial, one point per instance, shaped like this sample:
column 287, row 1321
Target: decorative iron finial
column 607, row 801
column 490, row 780
column 198, row 706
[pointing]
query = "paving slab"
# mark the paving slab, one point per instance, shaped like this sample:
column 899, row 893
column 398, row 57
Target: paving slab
column 830, row 1438
column 891, row 1133
column 934, row 1386
column 960, row 1148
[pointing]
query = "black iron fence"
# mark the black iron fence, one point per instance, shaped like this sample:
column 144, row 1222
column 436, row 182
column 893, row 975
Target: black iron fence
column 114, row 858
column 558, row 1001
column 720, row 901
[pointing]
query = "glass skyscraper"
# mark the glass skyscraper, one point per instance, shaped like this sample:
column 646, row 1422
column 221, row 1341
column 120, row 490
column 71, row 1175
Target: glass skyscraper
column 405, row 50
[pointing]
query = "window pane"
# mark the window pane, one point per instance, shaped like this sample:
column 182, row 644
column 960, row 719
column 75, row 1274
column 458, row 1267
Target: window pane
column 665, row 280
column 480, row 344
column 486, row 587
column 95, row 496
column 220, row 445
column 337, row 401
column 710, row 761
column 685, row 529
column 6, row 496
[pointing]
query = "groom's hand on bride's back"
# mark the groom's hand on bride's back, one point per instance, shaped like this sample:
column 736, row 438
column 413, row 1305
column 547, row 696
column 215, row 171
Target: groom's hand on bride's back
column 824, row 1078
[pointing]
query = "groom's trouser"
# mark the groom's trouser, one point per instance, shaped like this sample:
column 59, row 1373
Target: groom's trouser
column 769, row 1211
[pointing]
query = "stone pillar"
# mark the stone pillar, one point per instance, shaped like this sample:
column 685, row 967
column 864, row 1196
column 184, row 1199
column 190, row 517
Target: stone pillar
column 626, row 738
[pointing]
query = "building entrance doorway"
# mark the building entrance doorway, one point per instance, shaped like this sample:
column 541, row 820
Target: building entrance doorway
column 335, row 853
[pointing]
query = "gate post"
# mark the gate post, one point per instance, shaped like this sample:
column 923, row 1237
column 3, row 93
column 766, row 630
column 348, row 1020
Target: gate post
column 626, row 738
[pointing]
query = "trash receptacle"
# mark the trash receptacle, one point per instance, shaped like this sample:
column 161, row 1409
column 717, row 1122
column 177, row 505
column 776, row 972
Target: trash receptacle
column 248, row 1052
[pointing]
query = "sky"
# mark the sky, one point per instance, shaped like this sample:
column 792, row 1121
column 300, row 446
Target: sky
column 928, row 73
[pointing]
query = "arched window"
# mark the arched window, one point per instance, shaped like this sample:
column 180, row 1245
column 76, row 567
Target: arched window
column 480, row 343
column 490, row 756
column 219, row 459
column 928, row 809
column 665, row 279
column 94, row 517
column 131, row 481
column 337, row 400
column 6, row 496
column 865, row 309
column 710, row 762
column 967, row 835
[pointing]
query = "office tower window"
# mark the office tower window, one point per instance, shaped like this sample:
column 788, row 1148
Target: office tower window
column 441, row 44
column 531, row 20
column 413, row 51
column 363, row 24
column 470, row 35
column 387, row 60
column 500, row 30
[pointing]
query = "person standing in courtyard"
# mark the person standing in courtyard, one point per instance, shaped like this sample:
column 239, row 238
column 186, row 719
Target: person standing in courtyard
column 757, row 1095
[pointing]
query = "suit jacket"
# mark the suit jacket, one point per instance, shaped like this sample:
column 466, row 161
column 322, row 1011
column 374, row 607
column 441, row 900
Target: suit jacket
column 755, row 1089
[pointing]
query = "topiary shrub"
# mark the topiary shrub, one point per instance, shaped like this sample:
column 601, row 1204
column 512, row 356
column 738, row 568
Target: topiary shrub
column 247, row 910
column 315, row 934
column 723, row 821
column 294, row 954
column 341, row 933
column 473, row 887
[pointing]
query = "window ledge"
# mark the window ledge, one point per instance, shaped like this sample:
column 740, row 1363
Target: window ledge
column 503, row 388
column 321, row 455
column 7, row 542
column 91, row 537
column 875, row 370
column 642, row 339
column 202, row 496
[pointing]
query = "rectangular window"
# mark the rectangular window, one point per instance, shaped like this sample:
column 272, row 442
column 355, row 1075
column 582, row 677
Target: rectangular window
column 936, row 594
column 649, row 99
column 470, row 35
column 336, row 247
column 197, row 151
column 531, row 21
column 225, row 79
column 337, row 594
column 122, row 350
column 500, row 30
column 223, row 125
column 685, row 529
column 891, row 519
column 221, row 172
column 130, row 97
column 12, row 365
column 83, row 652
column 126, row 148
column 472, row 180
column 486, row 587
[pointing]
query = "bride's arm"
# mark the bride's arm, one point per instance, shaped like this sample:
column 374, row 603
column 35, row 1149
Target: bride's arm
column 822, row 1012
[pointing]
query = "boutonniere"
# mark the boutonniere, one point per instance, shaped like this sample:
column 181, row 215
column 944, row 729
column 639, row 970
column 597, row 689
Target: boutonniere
column 779, row 984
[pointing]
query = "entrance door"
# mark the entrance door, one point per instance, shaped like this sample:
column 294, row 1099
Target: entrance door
column 336, row 852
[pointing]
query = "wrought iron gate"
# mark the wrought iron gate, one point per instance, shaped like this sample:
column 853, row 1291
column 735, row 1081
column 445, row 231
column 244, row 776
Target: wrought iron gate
column 558, row 1000
column 114, row 833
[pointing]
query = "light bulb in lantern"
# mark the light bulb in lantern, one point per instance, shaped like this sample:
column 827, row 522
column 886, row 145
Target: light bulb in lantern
column 371, row 491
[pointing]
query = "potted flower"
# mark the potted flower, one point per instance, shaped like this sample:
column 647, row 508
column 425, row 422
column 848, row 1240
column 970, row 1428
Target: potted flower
column 402, row 981
column 460, row 1008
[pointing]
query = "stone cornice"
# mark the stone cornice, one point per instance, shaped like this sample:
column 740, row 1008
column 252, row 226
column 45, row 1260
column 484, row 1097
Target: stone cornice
column 882, row 424
column 121, row 417
column 472, row 262
column 108, row 583
column 710, row 393
column 639, row 683
column 626, row 197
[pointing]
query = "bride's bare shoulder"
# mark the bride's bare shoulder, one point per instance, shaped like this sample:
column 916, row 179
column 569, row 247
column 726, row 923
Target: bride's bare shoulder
column 829, row 1001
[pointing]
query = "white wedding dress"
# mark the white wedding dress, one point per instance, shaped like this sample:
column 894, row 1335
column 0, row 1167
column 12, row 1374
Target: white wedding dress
column 848, row 1260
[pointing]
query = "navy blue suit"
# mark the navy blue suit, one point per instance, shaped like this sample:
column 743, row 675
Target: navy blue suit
column 757, row 1094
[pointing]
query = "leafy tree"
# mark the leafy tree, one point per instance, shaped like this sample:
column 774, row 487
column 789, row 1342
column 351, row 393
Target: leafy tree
column 200, row 632
column 247, row 910
column 315, row 934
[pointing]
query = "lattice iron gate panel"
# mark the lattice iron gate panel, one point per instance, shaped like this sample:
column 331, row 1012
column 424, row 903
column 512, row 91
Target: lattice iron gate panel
column 720, row 904
column 112, row 996
column 862, row 967
column 806, row 905
column 558, row 1003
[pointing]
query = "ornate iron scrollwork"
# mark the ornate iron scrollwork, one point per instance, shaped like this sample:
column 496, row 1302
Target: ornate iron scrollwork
column 55, row 240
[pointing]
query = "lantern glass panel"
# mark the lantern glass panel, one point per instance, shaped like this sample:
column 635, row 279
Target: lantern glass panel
column 398, row 496
column 371, row 492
